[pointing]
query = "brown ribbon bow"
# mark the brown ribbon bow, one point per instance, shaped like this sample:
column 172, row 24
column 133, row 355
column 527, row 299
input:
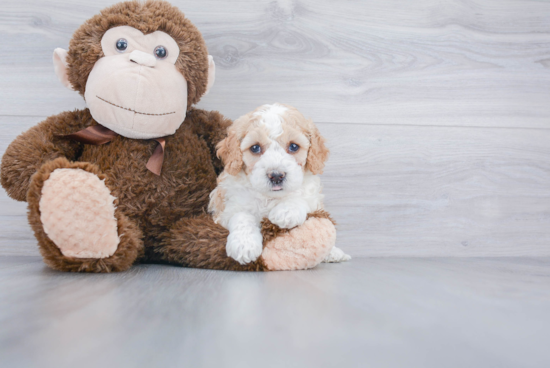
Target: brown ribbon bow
column 98, row 134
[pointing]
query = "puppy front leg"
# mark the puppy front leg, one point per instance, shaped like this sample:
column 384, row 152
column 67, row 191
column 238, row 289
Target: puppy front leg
column 290, row 213
column 244, row 243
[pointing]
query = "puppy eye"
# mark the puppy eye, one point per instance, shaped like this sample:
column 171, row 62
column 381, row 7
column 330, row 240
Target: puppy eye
column 293, row 147
column 161, row 52
column 121, row 45
column 256, row 148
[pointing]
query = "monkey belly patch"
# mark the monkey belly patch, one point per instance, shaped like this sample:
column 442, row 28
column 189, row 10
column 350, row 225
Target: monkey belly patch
column 78, row 214
column 302, row 247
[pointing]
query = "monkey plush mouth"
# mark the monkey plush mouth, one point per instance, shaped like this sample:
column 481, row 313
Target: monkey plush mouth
column 137, row 112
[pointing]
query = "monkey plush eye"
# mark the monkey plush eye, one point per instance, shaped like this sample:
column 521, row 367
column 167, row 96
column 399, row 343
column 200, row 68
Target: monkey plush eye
column 256, row 148
column 121, row 45
column 293, row 147
column 161, row 52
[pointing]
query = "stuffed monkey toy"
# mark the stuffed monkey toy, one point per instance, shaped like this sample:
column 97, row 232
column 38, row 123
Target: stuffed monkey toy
column 128, row 178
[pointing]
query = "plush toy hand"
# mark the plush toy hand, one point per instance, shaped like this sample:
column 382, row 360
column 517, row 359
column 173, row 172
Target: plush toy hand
column 287, row 215
column 300, row 248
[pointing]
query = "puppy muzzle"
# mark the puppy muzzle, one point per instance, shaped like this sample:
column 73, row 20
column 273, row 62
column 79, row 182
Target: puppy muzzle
column 277, row 179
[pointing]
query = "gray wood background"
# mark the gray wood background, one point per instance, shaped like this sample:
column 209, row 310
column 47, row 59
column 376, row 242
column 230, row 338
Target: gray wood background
column 437, row 112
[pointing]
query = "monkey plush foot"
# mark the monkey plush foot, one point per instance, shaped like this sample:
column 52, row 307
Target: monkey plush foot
column 76, row 221
column 78, row 214
column 300, row 248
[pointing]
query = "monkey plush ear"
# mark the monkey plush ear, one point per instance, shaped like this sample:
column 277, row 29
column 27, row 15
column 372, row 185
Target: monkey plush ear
column 211, row 74
column 60, row 66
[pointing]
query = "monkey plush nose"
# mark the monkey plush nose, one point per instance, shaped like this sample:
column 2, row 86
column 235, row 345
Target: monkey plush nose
column 143, row 58
column 276, row 177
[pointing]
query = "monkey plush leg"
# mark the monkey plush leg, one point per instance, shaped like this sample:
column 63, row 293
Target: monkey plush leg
column 76, row 222
column 200, row 243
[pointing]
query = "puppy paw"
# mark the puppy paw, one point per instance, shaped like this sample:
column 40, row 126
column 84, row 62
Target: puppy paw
column 244, row 245
column 287, row 216
column 336, row 255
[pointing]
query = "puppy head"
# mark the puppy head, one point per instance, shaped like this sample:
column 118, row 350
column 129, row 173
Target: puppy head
column 273, row 145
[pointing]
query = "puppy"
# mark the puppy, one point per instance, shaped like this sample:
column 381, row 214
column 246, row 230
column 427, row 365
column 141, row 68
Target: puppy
column 272, row 157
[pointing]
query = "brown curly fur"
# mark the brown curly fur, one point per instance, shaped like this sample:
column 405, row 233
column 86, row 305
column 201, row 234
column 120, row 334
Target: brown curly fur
column 148, row 17
column 199, row 243
column 39, row 145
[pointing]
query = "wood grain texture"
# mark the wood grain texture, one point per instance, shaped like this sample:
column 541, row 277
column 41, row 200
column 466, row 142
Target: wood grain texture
column 415, row 313
column 428, row 62
column 437, row 191
column 408, row 191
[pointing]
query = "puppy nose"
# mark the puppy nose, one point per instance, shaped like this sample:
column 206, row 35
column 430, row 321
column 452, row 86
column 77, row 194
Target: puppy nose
column 143, row 58
column 276, row 177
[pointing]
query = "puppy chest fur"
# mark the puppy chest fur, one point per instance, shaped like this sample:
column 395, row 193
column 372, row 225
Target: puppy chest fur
column 235, row 194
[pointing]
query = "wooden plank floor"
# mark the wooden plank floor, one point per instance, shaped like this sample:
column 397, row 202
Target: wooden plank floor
column 437, row 112
column 387, row 312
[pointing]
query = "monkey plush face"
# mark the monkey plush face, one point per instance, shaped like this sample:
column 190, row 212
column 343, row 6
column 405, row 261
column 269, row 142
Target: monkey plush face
column 145, row 71
column 135, row 89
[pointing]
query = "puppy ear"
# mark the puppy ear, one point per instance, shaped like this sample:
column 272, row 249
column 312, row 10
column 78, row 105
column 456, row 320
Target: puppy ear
column 317, row 154
column 229, row 150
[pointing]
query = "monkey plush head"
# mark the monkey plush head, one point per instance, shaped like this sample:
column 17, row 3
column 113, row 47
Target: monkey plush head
column 140, row 66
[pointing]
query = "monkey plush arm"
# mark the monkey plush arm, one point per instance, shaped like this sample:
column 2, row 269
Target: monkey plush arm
column 212, row 127
column 38, row 145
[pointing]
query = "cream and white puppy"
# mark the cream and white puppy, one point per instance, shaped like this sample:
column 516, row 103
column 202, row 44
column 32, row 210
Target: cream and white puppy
column 272, row 156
